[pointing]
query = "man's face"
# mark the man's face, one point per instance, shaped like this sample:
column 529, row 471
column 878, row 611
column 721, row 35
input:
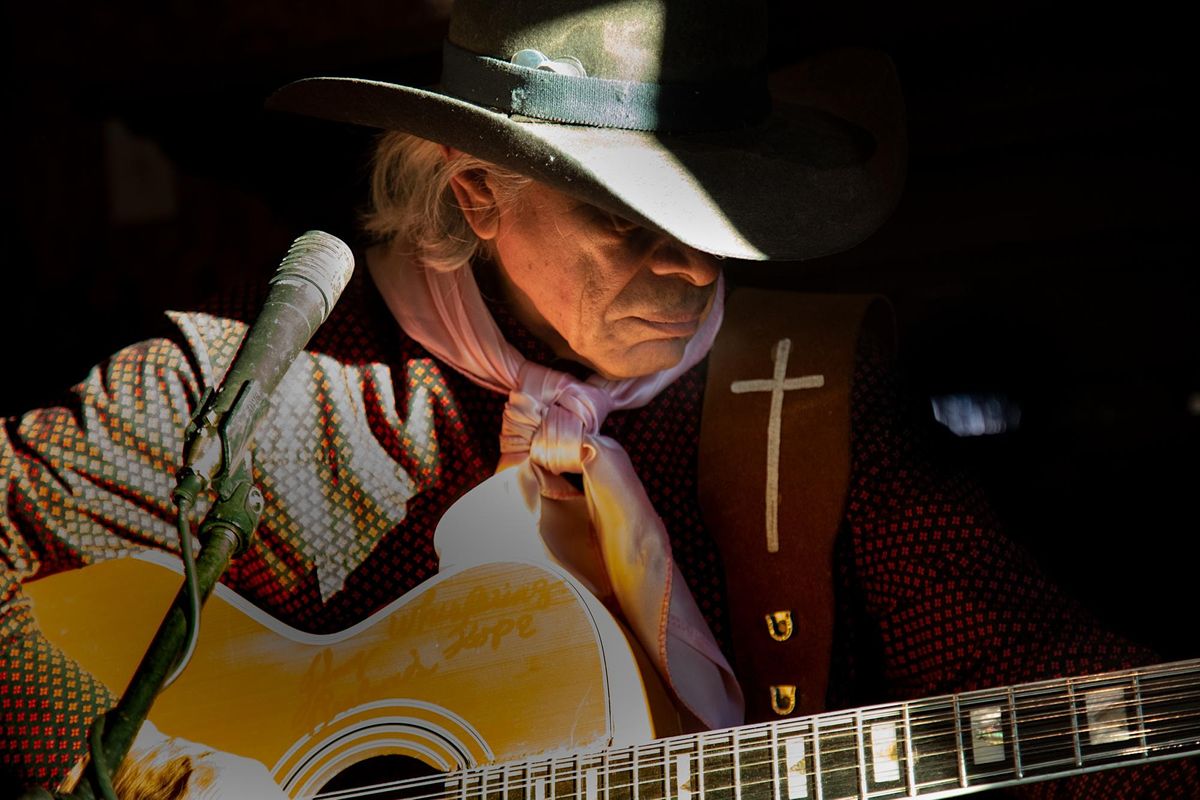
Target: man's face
column 601, row 290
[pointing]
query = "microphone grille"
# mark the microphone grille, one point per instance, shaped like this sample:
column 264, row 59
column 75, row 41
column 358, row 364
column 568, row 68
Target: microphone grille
column 321, row 259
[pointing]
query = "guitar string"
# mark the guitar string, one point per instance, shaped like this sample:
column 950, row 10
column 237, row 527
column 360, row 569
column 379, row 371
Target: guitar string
column 482, row 782
column 566, row 770
column 1156, row 682
column 978, row 780
column 522, row 792
column 985, row 779
column 1151, row 695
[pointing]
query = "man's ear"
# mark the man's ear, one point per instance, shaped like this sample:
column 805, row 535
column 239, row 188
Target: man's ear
column 475, row 198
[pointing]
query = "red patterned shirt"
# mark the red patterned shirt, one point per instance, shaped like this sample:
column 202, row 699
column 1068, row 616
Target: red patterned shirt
column 370, row 439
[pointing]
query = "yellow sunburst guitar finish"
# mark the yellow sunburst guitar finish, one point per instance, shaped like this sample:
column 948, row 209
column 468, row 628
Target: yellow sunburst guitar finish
column 493, row 663
column 517, row 683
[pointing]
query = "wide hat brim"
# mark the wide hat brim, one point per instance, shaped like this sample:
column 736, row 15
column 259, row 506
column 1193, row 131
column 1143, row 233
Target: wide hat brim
column 818, row 175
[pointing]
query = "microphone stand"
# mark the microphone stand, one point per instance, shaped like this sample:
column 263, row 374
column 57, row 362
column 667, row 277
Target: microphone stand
column 225, row 532
column 307, row 283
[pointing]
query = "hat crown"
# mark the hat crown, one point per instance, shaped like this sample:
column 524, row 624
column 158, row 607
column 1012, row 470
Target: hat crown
column 691, row 41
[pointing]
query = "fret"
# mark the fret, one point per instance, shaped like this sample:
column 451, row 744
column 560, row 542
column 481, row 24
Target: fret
column 910, row 769
column 736, row 757
column 1103, row 720
column 942, row 746
column 683, row 778
column 1106, row 720
column 862, row 754
column 1075, row 723
column 541, row 780
column 620, row 781
column 936, row 746
column 775, row 762
column 962, row 748
column 1171, row 707
column 667, row 780
column 652, row 773
column 590, row 776
column 989, row 752
column 493, row 783
column 461, row 779
column 517, row 782
column 886, row 762
column 879, row 738
column 795, row 766
column 636, row 782
column 1042, row 737
column 575, row 781
column 818, row 787
column 1137, row 710
column 452, row 786
column 755, row 759
column 560, row 783
column 840, row 760
column 718, row 766
column 1012, row 725
column 987, row 735
column 985, row 721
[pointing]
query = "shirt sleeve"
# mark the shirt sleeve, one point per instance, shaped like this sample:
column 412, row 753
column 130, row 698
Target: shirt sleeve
column 939, row 600
column 80, row 482
column 947, row 602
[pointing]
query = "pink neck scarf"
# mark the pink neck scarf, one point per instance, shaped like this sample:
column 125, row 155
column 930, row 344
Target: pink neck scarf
column 610, row 537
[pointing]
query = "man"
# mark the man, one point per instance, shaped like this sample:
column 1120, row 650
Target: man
column 545, row 303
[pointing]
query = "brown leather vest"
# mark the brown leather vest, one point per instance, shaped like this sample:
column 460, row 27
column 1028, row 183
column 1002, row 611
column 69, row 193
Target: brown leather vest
column 774, row 469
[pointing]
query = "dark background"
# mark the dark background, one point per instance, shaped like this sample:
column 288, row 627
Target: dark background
column 1041, row 251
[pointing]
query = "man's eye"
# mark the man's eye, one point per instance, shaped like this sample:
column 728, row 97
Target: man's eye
column 621, row 225
column 609, row 221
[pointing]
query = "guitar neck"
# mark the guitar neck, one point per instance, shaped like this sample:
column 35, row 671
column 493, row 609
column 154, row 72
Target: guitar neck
column 940, row 747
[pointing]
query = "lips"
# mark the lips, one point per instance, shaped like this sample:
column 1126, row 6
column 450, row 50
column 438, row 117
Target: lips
column 678, row 328
column 678, row 316
column 670, row 319
column 671, row 326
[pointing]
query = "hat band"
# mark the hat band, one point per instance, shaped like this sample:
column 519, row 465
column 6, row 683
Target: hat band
column 602, row 102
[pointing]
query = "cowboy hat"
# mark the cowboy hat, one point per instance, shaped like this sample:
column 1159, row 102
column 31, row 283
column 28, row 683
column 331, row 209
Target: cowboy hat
column 659, row 112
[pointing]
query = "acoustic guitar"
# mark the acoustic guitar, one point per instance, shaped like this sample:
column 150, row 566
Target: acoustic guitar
column 510, row 682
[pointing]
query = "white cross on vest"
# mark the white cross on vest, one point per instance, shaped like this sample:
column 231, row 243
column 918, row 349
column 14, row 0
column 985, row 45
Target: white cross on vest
column 777, row 385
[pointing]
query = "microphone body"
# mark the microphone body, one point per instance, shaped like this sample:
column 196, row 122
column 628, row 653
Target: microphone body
column 303, row 291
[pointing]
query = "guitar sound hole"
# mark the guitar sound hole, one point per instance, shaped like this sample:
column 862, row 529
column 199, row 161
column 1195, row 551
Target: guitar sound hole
column 380, row 769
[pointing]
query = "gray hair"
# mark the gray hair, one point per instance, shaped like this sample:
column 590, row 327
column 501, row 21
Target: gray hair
column 413, row 206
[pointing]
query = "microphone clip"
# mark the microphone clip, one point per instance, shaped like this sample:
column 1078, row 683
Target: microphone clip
column 216, row 438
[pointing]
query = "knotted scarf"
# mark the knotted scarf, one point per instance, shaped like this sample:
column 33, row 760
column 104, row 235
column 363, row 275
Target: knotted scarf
column 609, row 536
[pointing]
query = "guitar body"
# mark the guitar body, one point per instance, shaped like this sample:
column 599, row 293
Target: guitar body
column 516, row 682
column 489, row 664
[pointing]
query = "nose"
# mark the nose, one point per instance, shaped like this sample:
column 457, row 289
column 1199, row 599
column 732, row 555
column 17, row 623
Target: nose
column 674, row 258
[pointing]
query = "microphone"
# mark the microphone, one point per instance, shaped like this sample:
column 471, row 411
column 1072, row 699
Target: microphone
column 304, row 288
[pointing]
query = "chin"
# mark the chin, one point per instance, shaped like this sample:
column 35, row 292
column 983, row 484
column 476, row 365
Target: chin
column 644, row 358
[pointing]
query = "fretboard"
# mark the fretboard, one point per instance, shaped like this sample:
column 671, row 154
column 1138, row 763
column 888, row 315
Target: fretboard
column 942, row 746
